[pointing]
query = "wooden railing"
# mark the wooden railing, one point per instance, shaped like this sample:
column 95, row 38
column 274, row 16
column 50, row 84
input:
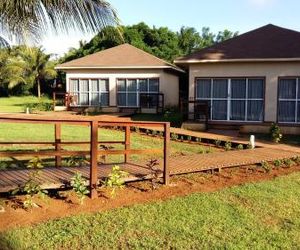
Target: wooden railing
column 58, row 152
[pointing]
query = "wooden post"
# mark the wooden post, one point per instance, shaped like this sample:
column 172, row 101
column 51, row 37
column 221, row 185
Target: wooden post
column 54, row 101
column 57, row 129
column 94, row 159
column 166, row 153
column 127, row 142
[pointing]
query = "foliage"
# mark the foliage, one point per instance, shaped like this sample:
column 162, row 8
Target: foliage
column 218, row 143
column 174, row 136
column 32, row 186
column 275, row 133
column 240, row 147
column 115, row 180
column 198, row 139
column 42, row 105
column 155, row 172
column 296, row 159
column 228, row 146
column 161, row 42
column 78, row 183
column 189, row 138
column 262, row 215
column 278, row 163
column 266, row 166
column 288, row 162
column 76, row 161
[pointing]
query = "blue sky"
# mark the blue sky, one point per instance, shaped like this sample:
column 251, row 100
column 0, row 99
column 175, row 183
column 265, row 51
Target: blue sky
column 235, row 15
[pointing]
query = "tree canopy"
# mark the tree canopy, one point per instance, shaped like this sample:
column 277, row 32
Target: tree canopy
column 161, row 42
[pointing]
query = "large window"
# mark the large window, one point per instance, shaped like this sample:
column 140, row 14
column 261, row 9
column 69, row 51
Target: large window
column 235, row 99
column 289, row 100
column 90, row 92
column 129, row 90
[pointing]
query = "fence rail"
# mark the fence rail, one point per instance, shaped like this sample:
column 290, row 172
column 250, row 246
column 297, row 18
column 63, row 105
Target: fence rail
column 94, row 150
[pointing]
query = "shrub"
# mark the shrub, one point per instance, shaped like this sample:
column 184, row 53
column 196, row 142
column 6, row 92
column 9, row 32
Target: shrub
column 136, row 129
column 39, row 106
column 189, row 138
column 249, row 146
column 115, row 180
column 218, row 143
column 297, row 160
column 161, row 134
column 288, row 162
column 266, row 166
column 174, row 136
column 228, row 146
column 155, row 171
column 78, row 183
column 278, row 163
column 275, row 133
column 198, row 139
column 240, row 147
column 154, row 132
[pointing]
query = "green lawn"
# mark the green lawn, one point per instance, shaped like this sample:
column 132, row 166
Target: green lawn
column 254, row 216
column 17, row 104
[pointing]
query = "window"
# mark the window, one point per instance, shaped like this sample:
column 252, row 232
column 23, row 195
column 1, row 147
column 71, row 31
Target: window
column 289, row 100
column 129, row 90
column 235, row 99
column 90, row 92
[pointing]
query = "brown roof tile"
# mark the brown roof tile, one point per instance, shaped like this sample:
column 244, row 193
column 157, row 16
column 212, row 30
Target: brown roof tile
column 268, row 42
column 122, row 56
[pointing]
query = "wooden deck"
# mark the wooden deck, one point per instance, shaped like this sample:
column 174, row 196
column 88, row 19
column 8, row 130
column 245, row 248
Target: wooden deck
column 54, row 178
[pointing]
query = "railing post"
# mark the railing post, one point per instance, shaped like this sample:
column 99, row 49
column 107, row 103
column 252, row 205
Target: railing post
column 54, row 101
column 166, row 153
column 57, row 132
column 94, row 159
column 127, row 142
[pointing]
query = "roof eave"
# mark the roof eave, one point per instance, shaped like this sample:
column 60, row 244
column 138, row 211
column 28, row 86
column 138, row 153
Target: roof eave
column 193, row 61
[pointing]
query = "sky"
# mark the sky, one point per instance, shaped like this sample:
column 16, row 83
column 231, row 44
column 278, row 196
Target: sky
column 234, row 15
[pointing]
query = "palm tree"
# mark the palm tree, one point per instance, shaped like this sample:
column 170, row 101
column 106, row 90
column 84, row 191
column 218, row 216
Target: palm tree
column 28, row 20
column 29, row 66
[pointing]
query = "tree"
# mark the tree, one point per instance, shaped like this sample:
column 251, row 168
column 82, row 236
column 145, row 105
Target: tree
column 29, row 20
column 189, row 40
column 29, row 66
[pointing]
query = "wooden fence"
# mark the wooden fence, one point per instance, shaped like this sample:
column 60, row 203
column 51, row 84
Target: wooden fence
column 94, row 151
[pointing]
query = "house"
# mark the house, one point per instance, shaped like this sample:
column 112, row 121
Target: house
column 248, row 81
column 122, row 78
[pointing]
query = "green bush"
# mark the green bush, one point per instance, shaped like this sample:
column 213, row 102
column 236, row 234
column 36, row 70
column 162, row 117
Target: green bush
column 228, row 146
column 278, row 163
column 115, row 180
column 240, row 147
column 79, row 187
column 266, row 166
column 42, row 105
column 275, row 133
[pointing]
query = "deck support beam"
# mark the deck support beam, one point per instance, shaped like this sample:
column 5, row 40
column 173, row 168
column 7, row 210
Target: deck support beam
column 57, row 129
column 166, row 153
column 94, row 160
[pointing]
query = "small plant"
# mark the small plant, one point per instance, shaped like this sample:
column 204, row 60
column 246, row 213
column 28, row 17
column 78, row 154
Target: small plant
column 155, row 171
column 218, row 143
column 174, row 136
column 227, row 146
column 249, row 146
column 161, row 134
column 288, row 162
column 154, row 132
column 79, row 187
column 147, row 132
column 278, row 163
column 209, row 150
column 76, row 161
column 275, row 133
column 182, row 138
column 32, row 186
column 115, row 180
column 198, row 139
column 297, row 160
column 240, row 147
column 189, row 138
column 266, row 166
column 137, row 129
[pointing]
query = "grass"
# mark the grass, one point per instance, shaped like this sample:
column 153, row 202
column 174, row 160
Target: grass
column 16, row 104
column 254, row 216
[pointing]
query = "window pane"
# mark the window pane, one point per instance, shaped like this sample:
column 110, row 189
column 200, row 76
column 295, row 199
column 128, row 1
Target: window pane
column 74, row 86
column 287, row 88
column 132, row 85
column 83, row 99
column 238, row 88
column 94, row 85
column 238, row 110
column 104, row 99
column 84, row 85
column 203, row 88
column 219, row 110
column 95, row 99
column 104, row 86
column 256, row 88
column 153, row 85
column 121, row 85
column 121, row 99
column 255, row 111
column 298, row 111
column 220, row 88
column 286, row 111
column 143, row 85
column 131, row 100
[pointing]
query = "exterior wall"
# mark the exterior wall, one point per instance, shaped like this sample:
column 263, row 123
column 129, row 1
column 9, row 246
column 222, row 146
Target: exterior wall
column 168, row 83
column 270, row 70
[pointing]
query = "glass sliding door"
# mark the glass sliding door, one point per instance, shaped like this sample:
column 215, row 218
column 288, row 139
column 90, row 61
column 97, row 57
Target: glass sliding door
column 233, row 99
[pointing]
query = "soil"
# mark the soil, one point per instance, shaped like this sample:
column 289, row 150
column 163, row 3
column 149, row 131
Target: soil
column 64, row 203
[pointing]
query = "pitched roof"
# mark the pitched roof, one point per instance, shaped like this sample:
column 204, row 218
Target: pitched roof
column 124, row 56
column 268, row 43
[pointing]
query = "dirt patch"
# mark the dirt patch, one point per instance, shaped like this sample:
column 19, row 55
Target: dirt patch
column 64, row 203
